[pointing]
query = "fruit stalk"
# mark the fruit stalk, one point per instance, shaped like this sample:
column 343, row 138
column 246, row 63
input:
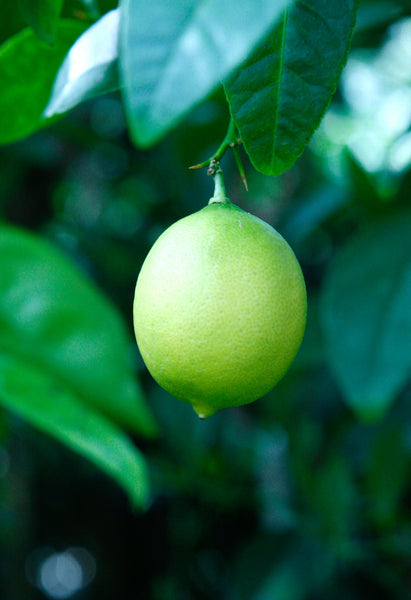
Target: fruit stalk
column 219, row 187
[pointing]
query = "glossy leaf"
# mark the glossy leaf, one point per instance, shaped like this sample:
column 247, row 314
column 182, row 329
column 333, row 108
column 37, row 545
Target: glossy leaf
column 54, row 318
column 280, row 94
column 366, row 317
column 90, row 68
column 48, row 405
column 42, row 16
column 168, row 65
column 28, row 67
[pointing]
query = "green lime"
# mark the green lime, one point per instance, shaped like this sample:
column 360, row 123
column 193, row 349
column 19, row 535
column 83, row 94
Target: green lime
column 220, row 308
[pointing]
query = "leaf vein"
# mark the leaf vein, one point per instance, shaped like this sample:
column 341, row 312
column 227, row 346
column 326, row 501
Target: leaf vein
column 278, row 90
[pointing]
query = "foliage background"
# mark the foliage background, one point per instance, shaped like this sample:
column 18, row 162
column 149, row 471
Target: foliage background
column 302, row 495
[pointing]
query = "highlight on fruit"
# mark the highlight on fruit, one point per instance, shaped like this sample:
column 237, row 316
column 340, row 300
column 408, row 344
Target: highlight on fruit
column 220, row 307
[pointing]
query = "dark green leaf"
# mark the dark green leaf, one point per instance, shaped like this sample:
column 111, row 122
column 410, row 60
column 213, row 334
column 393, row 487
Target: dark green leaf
column 366, row 317
column 47, row 405
column 11, row 20
column 28, row 67
column 42, row 16
column 279, row 96
column 54, row 318
column 90, row 68
column 173, row 54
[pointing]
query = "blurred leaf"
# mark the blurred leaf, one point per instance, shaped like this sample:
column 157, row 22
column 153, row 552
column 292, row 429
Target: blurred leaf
column 104, row 5
column 403, row 194
column 42, row 16
column 253, row 565
column 90, row 67
column 333, row 497
column 273, row 481
column 47, row 405
column 313, row 210
column 363, row 188
column 295, row 73
column 274, row 568
column 311, row 352
column 373, row 15
column 54, row 318
column 366, row 317
column 387, row 474
column 28, row 67
column 282, row 584
column 397, row 542
column 11, row 20
column 173, row 54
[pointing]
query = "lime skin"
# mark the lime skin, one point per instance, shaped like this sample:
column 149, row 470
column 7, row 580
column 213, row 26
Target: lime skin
column 220, row 308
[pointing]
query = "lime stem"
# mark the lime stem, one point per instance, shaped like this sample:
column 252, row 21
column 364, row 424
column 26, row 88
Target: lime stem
column 219, row 187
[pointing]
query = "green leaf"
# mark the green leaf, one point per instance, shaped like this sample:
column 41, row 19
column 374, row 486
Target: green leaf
column 173, row 54
column 42, row 16
column 11, row 21
column 28, row 67
column 54, row 318
column 278, row 97
column 49, row 406
column 90, row 68
column 366, row 317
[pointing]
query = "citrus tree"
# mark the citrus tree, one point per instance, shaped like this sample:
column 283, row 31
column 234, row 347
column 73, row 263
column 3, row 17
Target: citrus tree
column 177, row 90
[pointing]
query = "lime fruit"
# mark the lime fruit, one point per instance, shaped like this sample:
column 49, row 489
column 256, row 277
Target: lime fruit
column 220, row 308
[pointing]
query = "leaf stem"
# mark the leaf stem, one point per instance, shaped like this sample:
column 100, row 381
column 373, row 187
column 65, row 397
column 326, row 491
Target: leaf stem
column 231, row 140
